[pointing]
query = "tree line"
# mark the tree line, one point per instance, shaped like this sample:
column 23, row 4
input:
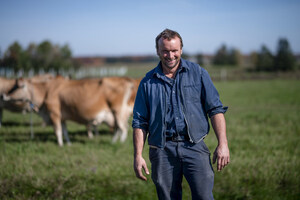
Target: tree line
column 44, row 56
column 47, row 56
column 263, row 60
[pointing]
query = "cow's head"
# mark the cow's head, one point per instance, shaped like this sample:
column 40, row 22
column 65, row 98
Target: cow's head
column 18, row 98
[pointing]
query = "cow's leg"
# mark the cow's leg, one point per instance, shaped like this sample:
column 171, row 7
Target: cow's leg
column 117, row 134
column 65, row 132
column 58, row 132
column 122, row 116
column 89, row 128
column 121, row 127
column 117, row 130
column 57, row 128
column 124, row 130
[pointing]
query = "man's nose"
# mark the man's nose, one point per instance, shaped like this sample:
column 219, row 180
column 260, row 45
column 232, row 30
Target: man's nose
column 170, row 54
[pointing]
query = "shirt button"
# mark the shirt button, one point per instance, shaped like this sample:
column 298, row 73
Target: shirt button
column 173, row 91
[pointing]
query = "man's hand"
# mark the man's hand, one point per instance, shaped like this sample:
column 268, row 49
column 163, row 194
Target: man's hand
column 221, row 155
column 139, row 165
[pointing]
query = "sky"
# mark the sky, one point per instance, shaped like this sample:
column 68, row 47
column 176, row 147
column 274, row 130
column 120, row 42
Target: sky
column 120, row 28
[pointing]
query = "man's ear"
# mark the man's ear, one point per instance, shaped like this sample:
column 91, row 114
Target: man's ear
column 157, row 54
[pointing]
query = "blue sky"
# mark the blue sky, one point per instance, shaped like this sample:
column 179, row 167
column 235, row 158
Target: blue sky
column 116, row 27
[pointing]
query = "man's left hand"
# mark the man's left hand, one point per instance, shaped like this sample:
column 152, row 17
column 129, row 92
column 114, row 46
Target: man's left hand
column 221, row 155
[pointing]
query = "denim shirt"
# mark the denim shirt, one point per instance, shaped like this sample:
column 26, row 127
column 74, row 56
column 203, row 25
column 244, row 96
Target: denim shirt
column 175, row 121
column 199, row 99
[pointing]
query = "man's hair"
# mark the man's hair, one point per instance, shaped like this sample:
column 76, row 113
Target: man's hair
column 168, row 34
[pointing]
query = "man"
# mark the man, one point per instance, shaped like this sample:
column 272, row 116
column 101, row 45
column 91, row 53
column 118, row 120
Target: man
column 173, row 103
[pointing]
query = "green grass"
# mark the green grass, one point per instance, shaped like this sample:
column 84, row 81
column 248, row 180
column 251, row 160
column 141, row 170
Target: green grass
column 263, row 131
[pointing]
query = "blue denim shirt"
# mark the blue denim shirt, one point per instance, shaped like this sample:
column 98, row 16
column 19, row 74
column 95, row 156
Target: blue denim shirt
column 175, row 121
column 199, row 99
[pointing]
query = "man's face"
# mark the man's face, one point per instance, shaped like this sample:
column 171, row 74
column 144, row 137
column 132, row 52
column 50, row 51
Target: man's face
column 169, row 52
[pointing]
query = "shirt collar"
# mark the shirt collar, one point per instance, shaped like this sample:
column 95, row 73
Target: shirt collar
column 159, row 73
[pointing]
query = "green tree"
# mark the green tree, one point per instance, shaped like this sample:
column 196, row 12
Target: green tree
column 265, row 60
column 44, row 55
column 221, row 57
column 31, row 60
column 66, row 57
column 234, row 57
column 13, row 56
column 225, row 56
column 284, row 59
column 47, row 56
column 62, row 58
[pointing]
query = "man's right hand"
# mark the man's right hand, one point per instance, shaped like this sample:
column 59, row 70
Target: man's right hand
column 140, row 165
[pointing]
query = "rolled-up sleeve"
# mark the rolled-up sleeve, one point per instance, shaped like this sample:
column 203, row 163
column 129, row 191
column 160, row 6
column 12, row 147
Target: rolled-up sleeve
column 141, row 110
column 210, row 96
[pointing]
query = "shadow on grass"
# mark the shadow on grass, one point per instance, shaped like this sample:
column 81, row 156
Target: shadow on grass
column 14, row 124
column 49, row 136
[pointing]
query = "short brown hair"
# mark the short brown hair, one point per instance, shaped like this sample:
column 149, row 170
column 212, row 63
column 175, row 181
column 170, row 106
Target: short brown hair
column 168, row 34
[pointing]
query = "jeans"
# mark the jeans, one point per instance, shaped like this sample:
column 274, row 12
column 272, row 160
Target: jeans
column 182, row 158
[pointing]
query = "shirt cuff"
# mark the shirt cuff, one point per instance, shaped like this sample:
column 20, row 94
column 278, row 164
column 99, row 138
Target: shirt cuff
column 217, row 110
column 143, row 126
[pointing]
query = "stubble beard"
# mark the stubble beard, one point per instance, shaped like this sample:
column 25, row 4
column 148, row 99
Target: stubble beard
column 167, row 65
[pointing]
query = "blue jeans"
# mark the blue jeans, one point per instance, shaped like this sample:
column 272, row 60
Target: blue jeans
column 182, row 158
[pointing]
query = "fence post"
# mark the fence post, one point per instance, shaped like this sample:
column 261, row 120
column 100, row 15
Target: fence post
column 223, row 74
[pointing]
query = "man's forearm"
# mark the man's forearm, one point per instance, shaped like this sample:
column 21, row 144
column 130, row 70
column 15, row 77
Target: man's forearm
column 219, row 126
column 139, row 136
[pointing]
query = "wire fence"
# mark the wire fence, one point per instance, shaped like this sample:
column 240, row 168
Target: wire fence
column 222, row 74
column 74, row 73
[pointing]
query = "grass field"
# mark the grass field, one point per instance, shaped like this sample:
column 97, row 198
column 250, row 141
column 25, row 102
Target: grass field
column 263, row 127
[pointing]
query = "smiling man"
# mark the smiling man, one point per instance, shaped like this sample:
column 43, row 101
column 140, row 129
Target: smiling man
column 172, row 106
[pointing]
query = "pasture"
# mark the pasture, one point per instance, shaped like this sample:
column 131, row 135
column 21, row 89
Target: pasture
column 263, row 130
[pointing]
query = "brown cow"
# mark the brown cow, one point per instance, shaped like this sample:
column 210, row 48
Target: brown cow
column 89, row 102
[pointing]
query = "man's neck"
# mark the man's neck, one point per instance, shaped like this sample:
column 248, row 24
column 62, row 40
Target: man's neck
column 170, row 73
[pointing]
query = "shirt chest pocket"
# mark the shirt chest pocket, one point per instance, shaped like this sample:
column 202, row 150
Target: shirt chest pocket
column 192, row 93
